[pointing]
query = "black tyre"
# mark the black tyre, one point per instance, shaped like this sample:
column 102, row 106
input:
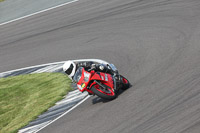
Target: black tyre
column 106, row 93
column 125, row 83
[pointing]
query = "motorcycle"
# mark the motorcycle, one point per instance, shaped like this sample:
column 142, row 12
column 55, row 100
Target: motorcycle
column 101, row 84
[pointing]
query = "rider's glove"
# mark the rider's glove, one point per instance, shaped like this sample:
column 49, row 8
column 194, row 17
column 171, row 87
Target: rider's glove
column 93, row 66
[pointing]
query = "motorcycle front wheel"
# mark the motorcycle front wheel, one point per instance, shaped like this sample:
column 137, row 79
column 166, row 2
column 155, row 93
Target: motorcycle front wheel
column 105, row 93
column 125, row 83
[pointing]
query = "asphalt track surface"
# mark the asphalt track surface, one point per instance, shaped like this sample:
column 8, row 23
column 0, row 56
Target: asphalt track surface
column 154, row 43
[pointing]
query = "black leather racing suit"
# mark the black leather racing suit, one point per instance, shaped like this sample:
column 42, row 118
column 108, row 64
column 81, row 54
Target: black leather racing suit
column 94, row 66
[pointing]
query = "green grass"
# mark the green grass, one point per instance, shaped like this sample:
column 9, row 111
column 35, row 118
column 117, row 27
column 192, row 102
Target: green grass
column 1, row 0
column 23, row 98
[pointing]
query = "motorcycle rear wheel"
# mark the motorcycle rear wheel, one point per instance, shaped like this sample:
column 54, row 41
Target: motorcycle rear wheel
column 107, row 93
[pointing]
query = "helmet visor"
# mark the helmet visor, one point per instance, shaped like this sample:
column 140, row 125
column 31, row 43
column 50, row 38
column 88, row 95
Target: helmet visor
column 69, row 70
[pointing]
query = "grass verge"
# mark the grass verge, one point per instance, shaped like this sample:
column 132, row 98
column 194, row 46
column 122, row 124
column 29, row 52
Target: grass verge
column 1, row 0
column 24, row 97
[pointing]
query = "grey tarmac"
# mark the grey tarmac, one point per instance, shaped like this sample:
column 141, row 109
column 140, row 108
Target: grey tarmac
column 154, row 43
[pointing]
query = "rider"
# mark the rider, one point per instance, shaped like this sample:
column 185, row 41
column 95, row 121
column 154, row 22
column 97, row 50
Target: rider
column 70, row 67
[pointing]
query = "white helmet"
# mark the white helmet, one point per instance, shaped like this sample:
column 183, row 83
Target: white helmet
column 69, row 68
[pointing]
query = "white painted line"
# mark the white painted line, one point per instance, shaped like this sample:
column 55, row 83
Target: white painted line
column 43, row 69
column 2, row 75
column 32, row 67
column 55, row 63
column 55, row 69
column 71, row 99
column 72, row 92
column 64, row 113
column 47, row 69
column 72, row 95
column 52, row 68
column 38, row 12
column 35, row 126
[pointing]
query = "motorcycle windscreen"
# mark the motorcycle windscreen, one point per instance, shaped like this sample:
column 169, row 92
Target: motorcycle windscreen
column 78, row 75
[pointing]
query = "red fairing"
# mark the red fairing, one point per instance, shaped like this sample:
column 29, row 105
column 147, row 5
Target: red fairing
column 86, row 77
column 103, row 85
column 83, row 83
column 104, row 78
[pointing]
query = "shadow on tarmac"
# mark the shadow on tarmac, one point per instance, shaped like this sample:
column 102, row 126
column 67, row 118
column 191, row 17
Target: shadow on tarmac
column 100, row 100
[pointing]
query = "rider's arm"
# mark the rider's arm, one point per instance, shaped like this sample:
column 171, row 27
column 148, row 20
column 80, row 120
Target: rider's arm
column 86, row 65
